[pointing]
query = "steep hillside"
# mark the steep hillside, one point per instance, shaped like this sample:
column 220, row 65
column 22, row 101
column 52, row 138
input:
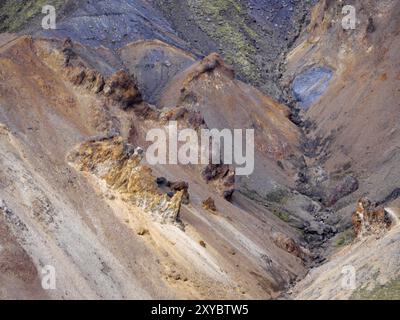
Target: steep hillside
column 87, row 220
column 352, row 133
column 78, row 193
column 252, row 35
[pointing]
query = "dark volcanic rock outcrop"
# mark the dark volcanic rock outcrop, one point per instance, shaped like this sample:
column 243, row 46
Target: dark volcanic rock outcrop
column 222, row 176
column 122, row 88
column 289, row 245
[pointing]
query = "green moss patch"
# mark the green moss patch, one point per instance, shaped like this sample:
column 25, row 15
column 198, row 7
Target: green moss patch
column 14, row 15
column 389, row 291
column 344, row 238
column 225, row 21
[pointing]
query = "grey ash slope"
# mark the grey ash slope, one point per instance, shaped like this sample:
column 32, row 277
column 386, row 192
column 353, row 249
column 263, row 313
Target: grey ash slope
column 113, row 23
column 253, row 35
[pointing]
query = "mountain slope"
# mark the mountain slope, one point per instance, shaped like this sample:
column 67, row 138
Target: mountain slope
column 102, row 242
column 251, row 35
column 353, row 131
column 77, row 192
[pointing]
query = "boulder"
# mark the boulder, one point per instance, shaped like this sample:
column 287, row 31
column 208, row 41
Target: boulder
column 288, row 244
column 122, row 88
column 209, row 204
